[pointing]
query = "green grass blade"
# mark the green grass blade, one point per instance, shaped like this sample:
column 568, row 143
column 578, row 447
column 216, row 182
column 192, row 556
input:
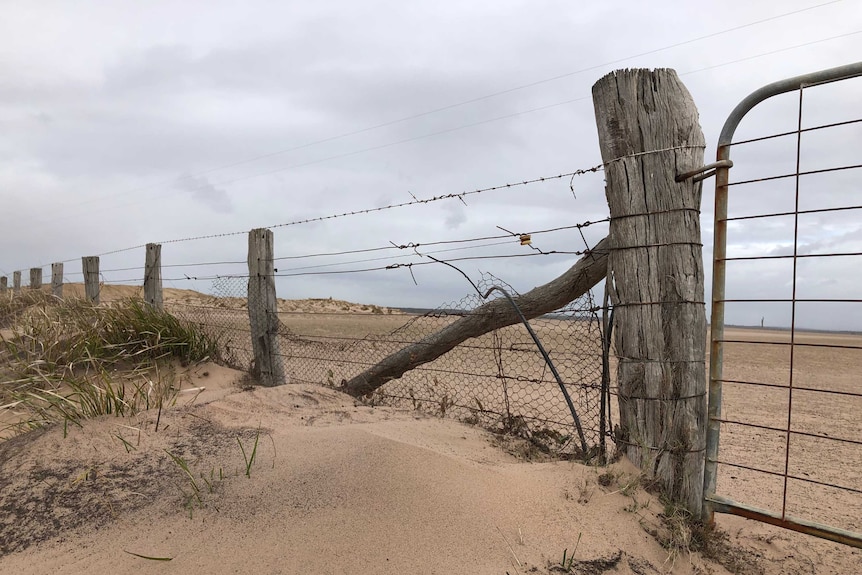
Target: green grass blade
column 148, row 557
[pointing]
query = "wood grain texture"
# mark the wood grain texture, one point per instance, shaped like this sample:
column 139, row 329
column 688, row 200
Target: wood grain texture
column 655, row 272
column 153, row 276
column 57, row 279
column 91, row 278
column 262, row 310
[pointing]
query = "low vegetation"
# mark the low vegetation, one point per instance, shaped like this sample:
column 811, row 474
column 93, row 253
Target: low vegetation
column 69, row 360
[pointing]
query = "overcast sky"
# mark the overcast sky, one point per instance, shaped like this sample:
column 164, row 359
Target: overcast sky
column 123, row 123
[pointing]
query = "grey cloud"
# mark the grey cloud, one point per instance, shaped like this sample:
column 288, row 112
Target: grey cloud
column 94, row 136
column 200, row 188
column 455, row 216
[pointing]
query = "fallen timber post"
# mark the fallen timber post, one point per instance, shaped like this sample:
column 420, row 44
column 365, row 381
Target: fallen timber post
column 575, row 282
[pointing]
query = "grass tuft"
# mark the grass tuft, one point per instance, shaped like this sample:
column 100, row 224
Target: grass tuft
column 69, row 360
column 249, row 460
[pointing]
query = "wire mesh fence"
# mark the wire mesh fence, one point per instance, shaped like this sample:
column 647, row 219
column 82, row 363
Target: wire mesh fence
column 222, row 314
column 499, row 380
column 502, row 381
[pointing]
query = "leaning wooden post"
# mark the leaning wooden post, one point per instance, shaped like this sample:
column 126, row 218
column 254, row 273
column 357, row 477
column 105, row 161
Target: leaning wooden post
column 262, row 308
column 649, row 132
column 35, row 278
column 4, row 284
column 57, row 279
column 16, row 282
column 91, row 278
column 153, row 276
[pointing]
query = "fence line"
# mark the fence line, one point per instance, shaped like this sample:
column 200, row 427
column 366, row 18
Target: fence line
column 498, row 380
column 415, row 201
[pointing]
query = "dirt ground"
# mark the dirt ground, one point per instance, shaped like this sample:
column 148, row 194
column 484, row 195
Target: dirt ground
column 341, row 487
column 821, row 408
column 327, row 348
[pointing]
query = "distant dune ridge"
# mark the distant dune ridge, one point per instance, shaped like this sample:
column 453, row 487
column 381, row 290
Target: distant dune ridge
column 177, row 296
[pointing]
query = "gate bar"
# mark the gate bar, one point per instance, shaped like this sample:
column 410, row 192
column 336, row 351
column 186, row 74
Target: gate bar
column 712, row 502
column 781, row 87
column 725, row 505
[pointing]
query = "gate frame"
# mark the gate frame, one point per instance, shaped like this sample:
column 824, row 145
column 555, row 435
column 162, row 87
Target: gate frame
column 713, row 503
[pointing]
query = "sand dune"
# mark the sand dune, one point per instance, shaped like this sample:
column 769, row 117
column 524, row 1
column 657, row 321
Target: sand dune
column 336, row 487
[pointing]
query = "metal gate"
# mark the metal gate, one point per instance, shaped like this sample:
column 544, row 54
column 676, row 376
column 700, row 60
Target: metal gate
column 791, row 421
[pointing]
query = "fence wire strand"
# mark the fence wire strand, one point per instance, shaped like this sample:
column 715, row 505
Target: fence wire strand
column 498, row 380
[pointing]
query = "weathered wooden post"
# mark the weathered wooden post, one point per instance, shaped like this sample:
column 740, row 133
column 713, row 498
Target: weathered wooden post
column 91, row 278
column 153, row 276
column 35, row 278
column 57, row 279
column 4, row 284
column 16, row 282
column 649, row 132
column 262, row 308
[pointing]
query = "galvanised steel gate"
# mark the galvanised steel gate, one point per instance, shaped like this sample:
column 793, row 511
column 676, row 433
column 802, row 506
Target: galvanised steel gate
column 791, row 421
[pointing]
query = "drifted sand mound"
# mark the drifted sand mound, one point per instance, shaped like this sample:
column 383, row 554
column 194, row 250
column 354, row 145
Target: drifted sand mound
column 335, row 487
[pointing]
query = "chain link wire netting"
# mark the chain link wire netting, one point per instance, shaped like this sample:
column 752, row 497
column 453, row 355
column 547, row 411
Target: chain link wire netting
column 499, row 380
column 224, row 315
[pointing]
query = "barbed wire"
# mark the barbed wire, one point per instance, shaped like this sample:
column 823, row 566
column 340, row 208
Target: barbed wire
column 407, row 265
column 124, row 282
column 413, row 255
column 413, row 245
column 417, row 201
column 393, row 246
column 244, row 161
column 747, row 58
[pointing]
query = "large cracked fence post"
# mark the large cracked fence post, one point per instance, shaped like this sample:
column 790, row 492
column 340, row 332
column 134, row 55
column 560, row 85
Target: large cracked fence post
column 649, row 132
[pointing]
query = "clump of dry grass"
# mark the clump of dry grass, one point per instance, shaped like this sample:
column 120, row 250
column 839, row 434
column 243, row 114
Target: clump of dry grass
column 68, row 360
column 12, row 305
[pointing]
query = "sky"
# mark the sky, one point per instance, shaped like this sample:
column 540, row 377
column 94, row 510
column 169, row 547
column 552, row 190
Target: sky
column 125, row 123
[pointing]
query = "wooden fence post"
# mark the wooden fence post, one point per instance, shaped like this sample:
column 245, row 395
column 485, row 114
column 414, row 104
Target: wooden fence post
column 4, row 284
column 57, row 279
column 153, row 276
column 35, row 278
column 262, row 308
column 16, row 282
column 649, row 132
column 91, row 278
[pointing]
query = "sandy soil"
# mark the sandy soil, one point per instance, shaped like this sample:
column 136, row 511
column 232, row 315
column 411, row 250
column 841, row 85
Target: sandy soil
column 820, row 408
column 340, row 487
column 336, row 487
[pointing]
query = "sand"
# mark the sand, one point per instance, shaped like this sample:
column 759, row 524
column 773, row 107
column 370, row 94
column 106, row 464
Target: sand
column 340, row 487
column 336, row 487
